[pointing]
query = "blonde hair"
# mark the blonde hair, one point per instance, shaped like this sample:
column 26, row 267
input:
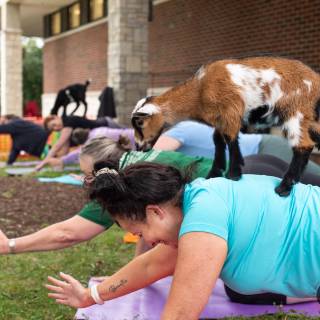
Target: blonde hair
column 103, row 149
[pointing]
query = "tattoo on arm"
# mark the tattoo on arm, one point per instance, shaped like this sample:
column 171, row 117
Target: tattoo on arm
column 114, row 288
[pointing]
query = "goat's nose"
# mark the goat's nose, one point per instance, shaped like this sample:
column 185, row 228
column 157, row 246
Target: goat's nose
column 138, row 147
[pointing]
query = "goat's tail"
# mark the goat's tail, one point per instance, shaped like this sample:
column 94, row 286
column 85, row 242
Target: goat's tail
column 88, row 82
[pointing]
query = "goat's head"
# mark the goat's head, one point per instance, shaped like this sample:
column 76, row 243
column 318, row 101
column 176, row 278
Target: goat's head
column 148, row 123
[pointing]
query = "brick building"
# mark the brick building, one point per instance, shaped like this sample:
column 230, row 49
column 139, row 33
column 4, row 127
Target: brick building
column 139, row 46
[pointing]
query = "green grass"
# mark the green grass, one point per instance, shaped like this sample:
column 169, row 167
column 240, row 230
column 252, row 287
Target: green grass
column 22, row 294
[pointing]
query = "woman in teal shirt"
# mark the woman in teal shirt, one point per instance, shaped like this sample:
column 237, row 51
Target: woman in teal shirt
column 240, row 231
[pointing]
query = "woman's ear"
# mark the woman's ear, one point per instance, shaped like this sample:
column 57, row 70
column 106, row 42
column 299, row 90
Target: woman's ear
column 153, row 210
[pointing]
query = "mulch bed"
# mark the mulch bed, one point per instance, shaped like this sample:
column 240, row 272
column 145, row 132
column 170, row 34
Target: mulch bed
column 27, row 204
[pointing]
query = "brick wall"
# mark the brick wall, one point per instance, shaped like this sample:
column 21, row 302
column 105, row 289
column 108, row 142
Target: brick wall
column 186, row 33
column 75, row 58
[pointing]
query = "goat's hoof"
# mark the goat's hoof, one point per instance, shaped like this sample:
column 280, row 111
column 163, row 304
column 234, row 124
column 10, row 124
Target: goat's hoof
column 234, row 177
column 215, row 173
column 283, row 191
column 234, row 174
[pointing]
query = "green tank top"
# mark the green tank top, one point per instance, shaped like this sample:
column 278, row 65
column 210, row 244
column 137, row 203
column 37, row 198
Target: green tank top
column 200, row 167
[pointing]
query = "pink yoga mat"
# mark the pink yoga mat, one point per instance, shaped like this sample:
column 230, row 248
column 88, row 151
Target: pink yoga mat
column 147, row 304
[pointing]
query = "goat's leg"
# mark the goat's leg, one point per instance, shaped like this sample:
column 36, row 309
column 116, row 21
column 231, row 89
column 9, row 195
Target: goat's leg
column 300, row 138
column 314, row 133
column 85, row 108
column 236, row 159
column 298, row 163
column 76, row 108
column 64, row 110
column 219, row 164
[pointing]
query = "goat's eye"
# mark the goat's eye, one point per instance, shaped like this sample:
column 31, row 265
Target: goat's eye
column 139, row 123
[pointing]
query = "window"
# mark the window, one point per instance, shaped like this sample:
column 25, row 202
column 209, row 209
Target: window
column 79, row 13
column 56, row 23
column 74, row 16
column 96, row 9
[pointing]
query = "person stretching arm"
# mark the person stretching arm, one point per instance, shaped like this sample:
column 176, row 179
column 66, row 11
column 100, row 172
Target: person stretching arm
column 57, row 236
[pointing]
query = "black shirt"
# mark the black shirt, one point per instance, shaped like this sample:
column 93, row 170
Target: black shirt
column 80, row 122
column 26, row 136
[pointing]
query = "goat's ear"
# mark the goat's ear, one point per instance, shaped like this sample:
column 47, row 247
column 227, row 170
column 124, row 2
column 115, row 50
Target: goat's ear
column 141, row 115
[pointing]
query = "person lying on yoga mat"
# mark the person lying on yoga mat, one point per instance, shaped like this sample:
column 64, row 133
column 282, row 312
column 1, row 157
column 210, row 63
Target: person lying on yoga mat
column 81, row 136
column 66, row 125
column 195, row 139
column 26, row 136
column 240, row 231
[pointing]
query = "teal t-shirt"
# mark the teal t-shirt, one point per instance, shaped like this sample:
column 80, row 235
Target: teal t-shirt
column 273, row 242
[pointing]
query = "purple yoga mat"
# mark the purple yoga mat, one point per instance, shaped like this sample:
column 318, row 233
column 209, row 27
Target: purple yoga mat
column 147, row 304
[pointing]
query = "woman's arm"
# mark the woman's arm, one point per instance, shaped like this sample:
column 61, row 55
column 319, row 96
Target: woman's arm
column 167, row 143
column 57, row 236
column 200, row 260
column 145, row 269
column 72, row 157
column 63, row 142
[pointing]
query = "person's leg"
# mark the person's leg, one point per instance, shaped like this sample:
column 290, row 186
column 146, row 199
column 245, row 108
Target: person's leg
column 279, row 147
column 109, row 122
column 264, row 298
column 272, row 166
column 261, row 298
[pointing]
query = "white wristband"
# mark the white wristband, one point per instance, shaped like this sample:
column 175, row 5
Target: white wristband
column 12, row 245
column 95, row 294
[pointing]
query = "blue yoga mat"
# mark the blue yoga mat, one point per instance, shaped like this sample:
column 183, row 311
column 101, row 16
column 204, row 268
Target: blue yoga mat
column 67, row 179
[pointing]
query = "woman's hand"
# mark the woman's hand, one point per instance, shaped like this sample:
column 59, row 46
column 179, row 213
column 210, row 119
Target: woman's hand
column 69, row 292
column 4, row 248
column 41, row 164
column 55, row 162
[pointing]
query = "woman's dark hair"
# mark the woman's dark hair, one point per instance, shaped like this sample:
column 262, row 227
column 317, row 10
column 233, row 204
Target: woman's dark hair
column 126, row 193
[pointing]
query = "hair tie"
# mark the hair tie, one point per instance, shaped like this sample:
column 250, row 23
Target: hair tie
column 106, row 170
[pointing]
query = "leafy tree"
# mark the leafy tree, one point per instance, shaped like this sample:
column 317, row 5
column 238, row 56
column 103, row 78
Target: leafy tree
column 32, row 72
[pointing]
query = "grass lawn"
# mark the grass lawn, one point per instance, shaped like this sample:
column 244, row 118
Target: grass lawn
column 22, row 295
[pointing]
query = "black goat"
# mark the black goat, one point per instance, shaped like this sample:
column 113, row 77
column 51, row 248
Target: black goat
column 73, row 93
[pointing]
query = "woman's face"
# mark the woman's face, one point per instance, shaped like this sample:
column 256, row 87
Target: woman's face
column 162, row 225
column 55, row 124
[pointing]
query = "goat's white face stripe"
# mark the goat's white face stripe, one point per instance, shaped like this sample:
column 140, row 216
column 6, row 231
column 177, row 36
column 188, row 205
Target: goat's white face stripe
column 148, row 108
column 251, row 82
column 294, row 129
column 139, row 104
column 308, row 83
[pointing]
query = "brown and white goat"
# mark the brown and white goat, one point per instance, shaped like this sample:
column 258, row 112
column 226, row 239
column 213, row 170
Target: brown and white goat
column 261, row 92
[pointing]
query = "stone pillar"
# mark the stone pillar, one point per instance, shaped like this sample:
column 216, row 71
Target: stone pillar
column 11, row 59
column 127, row 53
